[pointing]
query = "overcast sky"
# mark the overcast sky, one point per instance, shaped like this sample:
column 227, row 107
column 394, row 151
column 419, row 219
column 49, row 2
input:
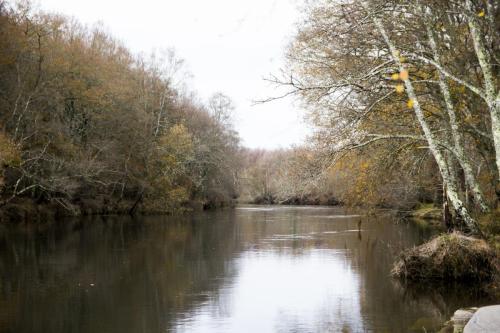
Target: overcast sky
column 228, row 45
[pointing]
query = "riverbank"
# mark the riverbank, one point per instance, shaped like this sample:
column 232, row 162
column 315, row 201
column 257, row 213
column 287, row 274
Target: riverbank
column 427, row 212
column 453, row 257
column 27, row 210
column 430, row 216
column 448, row 257
column 295, row 201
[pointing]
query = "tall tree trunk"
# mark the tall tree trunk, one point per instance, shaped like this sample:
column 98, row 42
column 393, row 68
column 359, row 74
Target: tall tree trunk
column 491, row 91
column 457, row 137
column 447, row 219
column 452, row 194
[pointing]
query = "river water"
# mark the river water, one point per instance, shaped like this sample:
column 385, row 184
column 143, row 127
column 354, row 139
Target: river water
column 250, row 269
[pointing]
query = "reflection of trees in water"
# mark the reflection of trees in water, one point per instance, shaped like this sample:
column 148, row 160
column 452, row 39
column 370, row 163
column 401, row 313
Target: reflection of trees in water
column 385, row 299
column 115, row 275
column 369, row 252
column 283, row 247
column 373, row 257
column 384, row 303
column 153, row 273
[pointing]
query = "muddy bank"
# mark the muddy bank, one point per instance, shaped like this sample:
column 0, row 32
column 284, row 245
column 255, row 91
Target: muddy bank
column 448, row 257
column 27, row 210
column 296, row 201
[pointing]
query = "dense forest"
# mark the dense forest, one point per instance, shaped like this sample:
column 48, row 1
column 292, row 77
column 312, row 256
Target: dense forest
column 89, row 127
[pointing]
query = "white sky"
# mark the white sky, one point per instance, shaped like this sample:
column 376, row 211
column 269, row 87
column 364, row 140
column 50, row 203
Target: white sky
column 229, row 46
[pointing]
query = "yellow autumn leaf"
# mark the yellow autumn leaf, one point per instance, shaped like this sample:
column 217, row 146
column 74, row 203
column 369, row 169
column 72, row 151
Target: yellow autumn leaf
column 410, row 103
column 481, row 13
column 403, row 75
column 402, row 59
column 400, row 88
column 395, row 76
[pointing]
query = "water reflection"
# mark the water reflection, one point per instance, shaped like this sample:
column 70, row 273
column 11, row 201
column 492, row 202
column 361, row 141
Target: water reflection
column 278, row 291
column 253, row 269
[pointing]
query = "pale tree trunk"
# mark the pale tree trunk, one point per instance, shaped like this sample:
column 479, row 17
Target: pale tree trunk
column 491, row 91
column 452, row 194
column 447, row 220
column 456, row 133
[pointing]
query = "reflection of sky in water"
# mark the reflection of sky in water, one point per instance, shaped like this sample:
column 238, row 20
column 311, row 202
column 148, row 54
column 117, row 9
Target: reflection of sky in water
column 283, row 269
column 312, row 292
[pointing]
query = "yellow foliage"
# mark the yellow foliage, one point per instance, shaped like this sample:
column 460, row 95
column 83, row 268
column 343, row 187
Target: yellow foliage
column 410, row 103
column 9, row 154
column 400, row 88
column 178, row 195
column 178, row 137
column 175, row 149
column 481, row 13
column 395, row 76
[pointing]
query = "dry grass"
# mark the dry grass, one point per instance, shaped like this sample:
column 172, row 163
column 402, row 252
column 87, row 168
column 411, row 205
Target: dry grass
column 450, row 257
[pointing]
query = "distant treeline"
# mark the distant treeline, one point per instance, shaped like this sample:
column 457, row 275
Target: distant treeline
column 284, row 176
column 299, row 176
column 86, row 124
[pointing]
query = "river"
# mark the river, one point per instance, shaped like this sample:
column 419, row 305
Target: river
column 250, row 269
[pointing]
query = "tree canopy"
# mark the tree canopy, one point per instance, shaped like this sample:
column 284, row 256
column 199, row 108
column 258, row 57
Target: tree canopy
column 84, row 118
